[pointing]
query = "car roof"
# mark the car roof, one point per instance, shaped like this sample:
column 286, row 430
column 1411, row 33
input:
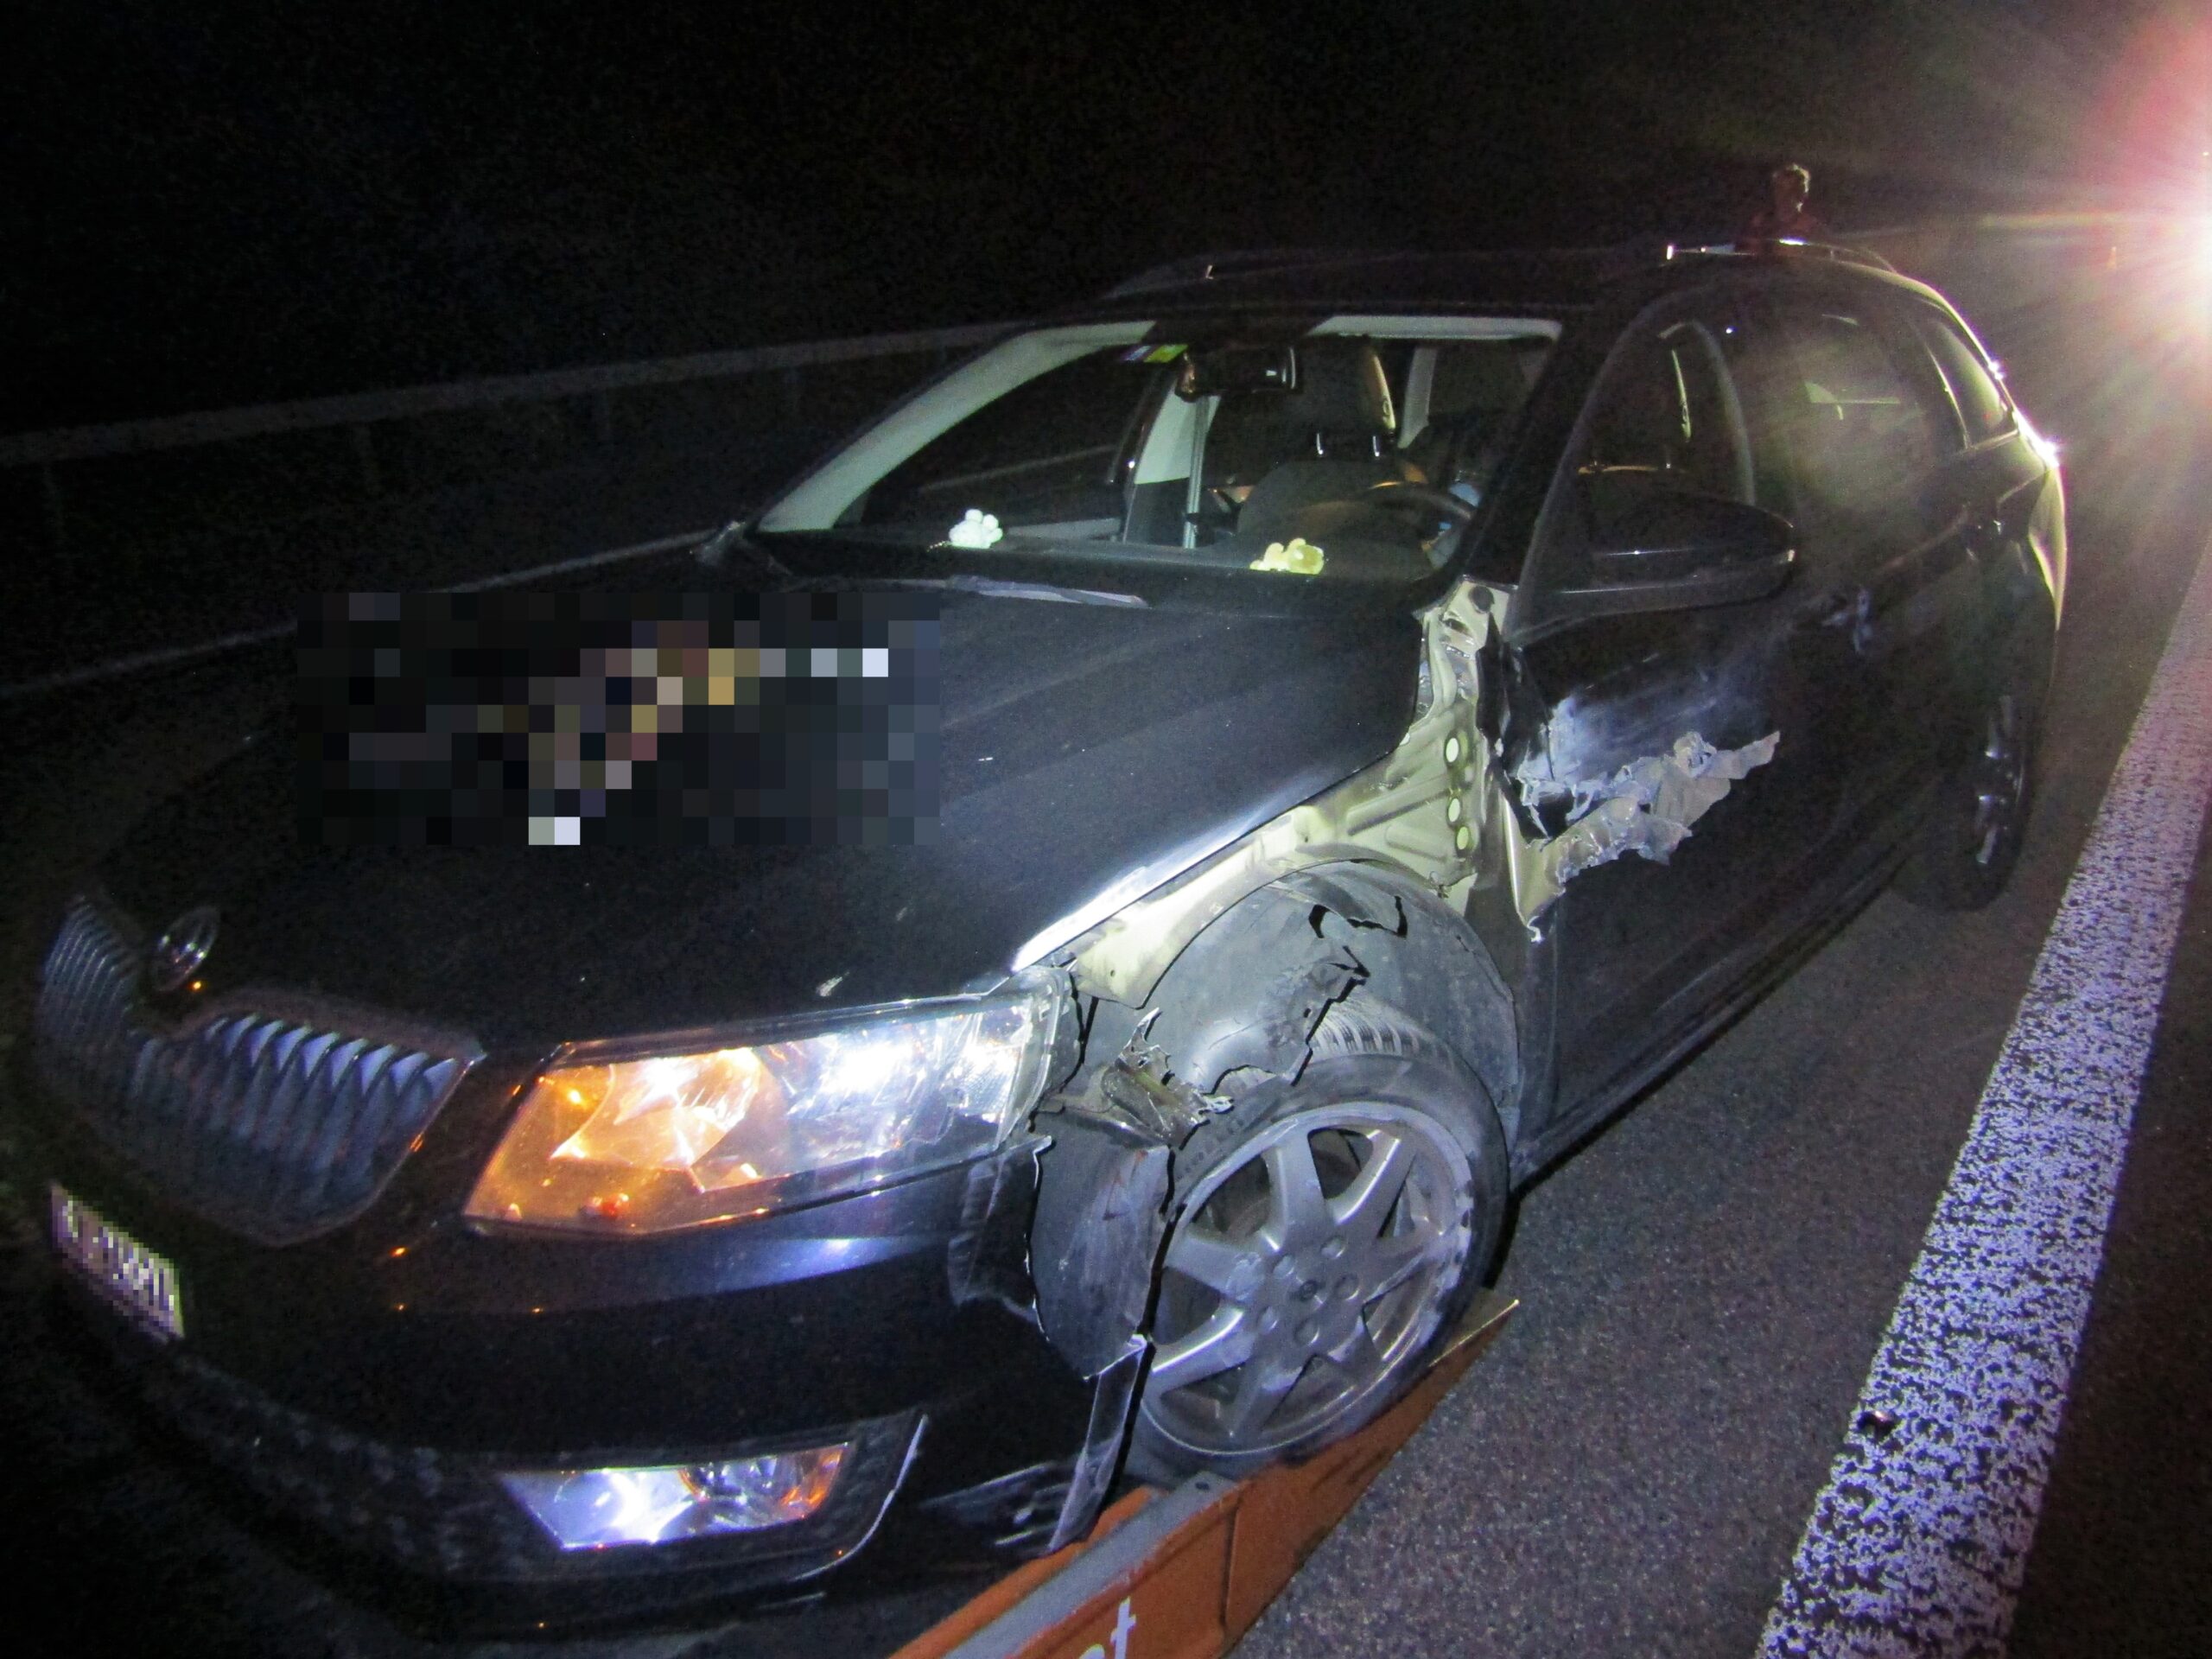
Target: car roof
column 1542, row 283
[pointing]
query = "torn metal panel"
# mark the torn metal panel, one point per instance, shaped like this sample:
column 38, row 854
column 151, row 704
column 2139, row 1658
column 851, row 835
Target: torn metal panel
column 1646, row 807
column 1680, row 784
column 1422, row 808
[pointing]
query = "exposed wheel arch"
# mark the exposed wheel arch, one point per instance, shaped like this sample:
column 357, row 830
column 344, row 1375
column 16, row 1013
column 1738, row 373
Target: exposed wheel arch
column 1250, row 989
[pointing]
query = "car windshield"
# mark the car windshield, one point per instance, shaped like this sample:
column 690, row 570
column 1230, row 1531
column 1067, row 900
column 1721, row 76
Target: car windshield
column 1355, row 448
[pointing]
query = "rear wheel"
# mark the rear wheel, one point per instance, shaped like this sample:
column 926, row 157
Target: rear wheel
column 1972, row 839
column 1324, row 1242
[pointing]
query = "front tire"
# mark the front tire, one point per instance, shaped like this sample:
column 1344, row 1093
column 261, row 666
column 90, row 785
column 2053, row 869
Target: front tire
column 1322, row 1242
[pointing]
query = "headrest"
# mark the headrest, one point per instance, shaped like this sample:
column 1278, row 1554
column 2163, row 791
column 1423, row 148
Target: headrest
column 1341, row 387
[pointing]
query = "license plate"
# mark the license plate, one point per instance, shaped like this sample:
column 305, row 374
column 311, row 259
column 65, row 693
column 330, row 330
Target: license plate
column 140, row 1281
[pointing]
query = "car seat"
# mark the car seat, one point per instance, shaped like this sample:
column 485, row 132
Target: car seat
column 1331, row 439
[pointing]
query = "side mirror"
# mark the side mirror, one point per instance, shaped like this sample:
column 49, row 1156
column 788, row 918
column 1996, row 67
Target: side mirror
column 1650, row 548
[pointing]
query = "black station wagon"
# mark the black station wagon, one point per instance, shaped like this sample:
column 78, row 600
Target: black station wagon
column 1387, row 710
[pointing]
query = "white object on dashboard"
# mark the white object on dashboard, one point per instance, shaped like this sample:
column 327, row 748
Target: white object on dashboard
column 976, row 529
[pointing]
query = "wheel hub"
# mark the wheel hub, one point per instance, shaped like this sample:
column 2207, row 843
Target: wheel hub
column 1309, row 1305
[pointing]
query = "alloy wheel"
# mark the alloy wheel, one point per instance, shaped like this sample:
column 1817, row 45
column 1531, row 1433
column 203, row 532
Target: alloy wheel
column 1306, row 1271
column 2001, row 787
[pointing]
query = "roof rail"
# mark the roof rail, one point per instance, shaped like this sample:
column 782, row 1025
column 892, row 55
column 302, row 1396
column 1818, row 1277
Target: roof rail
column 1619, row 259
column 1205, row 267
column 1788, row 247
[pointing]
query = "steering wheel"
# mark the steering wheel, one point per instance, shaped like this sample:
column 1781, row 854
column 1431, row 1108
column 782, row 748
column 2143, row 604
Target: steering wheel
column 1393, row 492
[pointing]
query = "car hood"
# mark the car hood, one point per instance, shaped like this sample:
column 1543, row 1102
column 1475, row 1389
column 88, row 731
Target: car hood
column 1090, row 753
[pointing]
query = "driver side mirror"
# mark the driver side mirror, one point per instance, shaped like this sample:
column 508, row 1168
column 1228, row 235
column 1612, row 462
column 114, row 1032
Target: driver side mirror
column 1648, row 547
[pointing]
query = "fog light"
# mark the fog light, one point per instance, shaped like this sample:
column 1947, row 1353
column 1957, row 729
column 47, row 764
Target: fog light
column 597, row 1509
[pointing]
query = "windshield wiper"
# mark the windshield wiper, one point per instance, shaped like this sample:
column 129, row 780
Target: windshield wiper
column 994, row 588
column 716, row 548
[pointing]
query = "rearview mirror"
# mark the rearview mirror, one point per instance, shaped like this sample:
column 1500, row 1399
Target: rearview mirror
column 1218, row 370
column 1652, row 548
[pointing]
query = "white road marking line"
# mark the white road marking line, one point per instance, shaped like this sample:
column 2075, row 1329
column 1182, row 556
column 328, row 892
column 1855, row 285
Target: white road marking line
column 1919, row 1543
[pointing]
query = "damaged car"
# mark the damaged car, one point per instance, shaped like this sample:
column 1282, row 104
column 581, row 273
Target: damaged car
column 1388, row 710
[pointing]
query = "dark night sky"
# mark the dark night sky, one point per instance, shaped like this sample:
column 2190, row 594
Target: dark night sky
column 224, row 203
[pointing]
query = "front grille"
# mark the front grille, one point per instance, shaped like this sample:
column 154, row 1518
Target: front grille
column 263, row 1115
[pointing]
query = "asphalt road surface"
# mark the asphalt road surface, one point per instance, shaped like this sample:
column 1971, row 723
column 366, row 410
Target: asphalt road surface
column 1704, row 1285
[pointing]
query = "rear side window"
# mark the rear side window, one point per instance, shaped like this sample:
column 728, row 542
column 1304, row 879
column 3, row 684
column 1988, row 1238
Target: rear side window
column 1983, row 404
column 1861, row 435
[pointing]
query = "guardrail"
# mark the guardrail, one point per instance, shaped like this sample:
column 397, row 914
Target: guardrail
column 363, row 412
column 160, row 542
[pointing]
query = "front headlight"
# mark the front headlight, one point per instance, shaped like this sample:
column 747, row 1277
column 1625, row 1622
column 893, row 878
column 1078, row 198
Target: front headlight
column 644, row 1145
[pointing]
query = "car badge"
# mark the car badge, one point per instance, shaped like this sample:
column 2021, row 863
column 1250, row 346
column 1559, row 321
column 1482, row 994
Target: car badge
column 175, row 956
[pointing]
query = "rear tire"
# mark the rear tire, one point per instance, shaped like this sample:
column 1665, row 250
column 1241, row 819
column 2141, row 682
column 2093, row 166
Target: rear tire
column 1322, row 1242
column 1972, row 840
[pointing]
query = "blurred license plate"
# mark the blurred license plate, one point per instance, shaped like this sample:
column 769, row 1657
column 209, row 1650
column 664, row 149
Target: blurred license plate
column 140, row 1281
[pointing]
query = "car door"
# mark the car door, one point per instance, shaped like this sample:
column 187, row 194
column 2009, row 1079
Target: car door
column 1639, row 950
column 1995, row 481
column 1871, row 431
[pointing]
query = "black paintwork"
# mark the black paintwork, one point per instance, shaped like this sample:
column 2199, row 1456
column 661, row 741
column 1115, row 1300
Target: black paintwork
column 1082, row 741
column 1873, row 665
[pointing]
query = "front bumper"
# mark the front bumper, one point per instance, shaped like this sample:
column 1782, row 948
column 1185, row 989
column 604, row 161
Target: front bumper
column 369, row 1387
